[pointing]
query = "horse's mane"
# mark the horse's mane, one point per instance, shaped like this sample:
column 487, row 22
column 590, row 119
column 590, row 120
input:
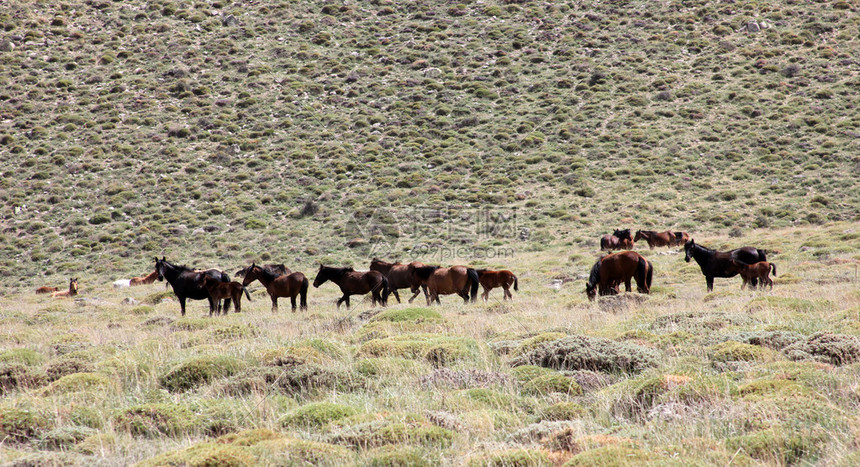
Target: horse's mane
column 425, row 271
column 649, row 232
column 594, row 276
column 622, row 233
column 383, row 262
column 268, row 273
column 336, row 272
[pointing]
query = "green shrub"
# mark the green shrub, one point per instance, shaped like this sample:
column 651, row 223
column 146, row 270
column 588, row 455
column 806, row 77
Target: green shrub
column 590, row 353
column 99, row 443
column 561, row 411
column 22, row 425
column 553, row 382
column 22, row 356
column 511, row 458
column 153, row 420
column 16, row 376
column 80, row 382
column 204, row 454
column 731, row 351
column 780, row 446
column 199, row 370
column 533, row 342
column 417, row 315
column 398, row 456
column 836, row 349
column 615, row 455
column 249, row 437
column 301, row 452
column 65, row 437
column 317, row 414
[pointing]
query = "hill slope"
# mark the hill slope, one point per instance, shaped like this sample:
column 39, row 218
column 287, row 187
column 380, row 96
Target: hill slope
column 220, row 132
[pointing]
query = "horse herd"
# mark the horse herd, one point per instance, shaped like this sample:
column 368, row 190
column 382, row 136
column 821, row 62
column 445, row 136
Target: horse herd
column 384, row 278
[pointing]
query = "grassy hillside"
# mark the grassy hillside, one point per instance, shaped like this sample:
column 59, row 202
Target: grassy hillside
column 678, row 377
column 217, row 132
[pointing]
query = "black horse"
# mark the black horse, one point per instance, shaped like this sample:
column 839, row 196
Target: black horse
column 718, row 263
column 187, row 283
column 352, row 282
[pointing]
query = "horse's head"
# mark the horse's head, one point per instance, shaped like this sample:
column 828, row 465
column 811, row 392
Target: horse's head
column 73, row 285
column 322, row 276
column 688, row 250
column 591, row 291
column 159, row 268
column 638, row 236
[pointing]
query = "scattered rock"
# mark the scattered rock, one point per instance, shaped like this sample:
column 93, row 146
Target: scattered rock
column 229, row 20
column 432, row 73
column 7, row 46
column 129, row 301
column 752, row 26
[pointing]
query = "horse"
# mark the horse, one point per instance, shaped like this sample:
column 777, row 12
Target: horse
column 47, row 289
column 276, row 269
column 352, row 282
column 718, row 263
column 655, row 239
column 618, row 240
column 460, row 280
column 611, row 270
column 751, row 272
column 491, row 279
column 224, row 290
column 399, row 277
column 148, row 279
column 679, row 238
column 73, row 290
column 278, row 285
column 187, row 284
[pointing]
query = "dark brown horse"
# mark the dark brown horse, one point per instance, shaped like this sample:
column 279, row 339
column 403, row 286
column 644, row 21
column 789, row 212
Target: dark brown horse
column 719, row 263
column 279, row 285
column 757, row 271
column 148, row 279
column 491, row 279
column 47, row 289
column 611, row 270
column 655, row 239
column 618, row 240
column 73, row 290
column 399, row 277
column 352, row 282
column 224, row 291
column 459, row 280
column 679, row 238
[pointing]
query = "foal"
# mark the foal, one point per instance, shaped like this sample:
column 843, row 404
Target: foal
column 750, row 272
column 224, row 290
column 73, row 290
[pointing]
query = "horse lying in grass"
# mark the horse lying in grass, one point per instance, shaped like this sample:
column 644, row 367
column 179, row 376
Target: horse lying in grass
column 611, row 270
column 489, row 280
column 47, row 289
column 224, row 291
column 278, row 285
column 148, row 279
column 73, row 290
column 757, row 271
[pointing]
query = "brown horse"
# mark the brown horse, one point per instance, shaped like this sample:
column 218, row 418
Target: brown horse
column 679, row 238
column 750, row 272
column 278, row 285
column 352, row 282
column 399, row 277
column 47, row 289
column 610, row 270
column 224, row 290
column 618, row 240
column 491, row 279
column 655, row 239
column 459, row 280
column 148, row 279
column 73, row 290
column 276, row 269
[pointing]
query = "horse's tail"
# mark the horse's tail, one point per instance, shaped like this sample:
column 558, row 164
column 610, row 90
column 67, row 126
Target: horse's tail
column 473, row 276
column 247, row 295
column 516, row 287
column 602, row 243
column 303, row 293
column 385, row 290
column 773, row 268
column 649, row 276
column 643, row 274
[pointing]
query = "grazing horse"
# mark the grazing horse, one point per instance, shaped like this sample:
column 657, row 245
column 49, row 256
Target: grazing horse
column 750, row 272
column 73, row 290
column 187, row 283
column 611, row 270
column 655, row 239
column 278, row 285
column 224, row 290
column 618, row 240
column 399, row 277
column 47, row 289
column 352, row 282
column 276, row 269
column 718, row 263
column 148, row 279
column 491, row 279
column 459, row 280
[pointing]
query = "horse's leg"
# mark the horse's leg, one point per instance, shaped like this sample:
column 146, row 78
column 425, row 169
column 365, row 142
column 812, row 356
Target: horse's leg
column 710, row 281
column 627, row 284
column 293, row 302
column 274, row 304
column 415, row 292
column 486, row 294
column 346, row 299
column 341, row 300
column 508, row 294
column 181, row 304
column 396, row 295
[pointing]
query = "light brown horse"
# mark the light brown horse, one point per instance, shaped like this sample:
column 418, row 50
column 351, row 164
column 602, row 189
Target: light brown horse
column 491, row 279
column 352, row 282
column 224, row 290
column 459, row 280
column 148, row 279
column 610, row 270
column 47, row 289
column 750, row 272
column 618, row 240
column 399, row 277
column 278, row 285
column 73, row 290
column 655, row 239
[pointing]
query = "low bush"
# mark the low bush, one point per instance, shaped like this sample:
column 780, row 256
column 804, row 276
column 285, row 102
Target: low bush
column 317, row 414
column 590, row 353
column 153, row 420
column 197, row 371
